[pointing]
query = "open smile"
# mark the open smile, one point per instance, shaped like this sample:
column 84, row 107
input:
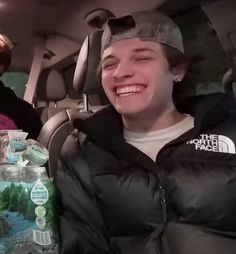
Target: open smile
column 129, row 90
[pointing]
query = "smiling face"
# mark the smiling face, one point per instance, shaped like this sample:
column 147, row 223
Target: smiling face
column 136, row 77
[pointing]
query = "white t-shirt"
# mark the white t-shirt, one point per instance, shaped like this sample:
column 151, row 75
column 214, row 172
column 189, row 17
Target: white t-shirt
column 151, row 143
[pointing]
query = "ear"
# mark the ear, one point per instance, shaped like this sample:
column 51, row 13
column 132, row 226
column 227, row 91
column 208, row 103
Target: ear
column 179, row 72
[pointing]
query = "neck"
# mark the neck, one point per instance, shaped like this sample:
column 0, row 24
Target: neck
column 147, row 123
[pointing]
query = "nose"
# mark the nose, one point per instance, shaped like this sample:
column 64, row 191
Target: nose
column 123, row 70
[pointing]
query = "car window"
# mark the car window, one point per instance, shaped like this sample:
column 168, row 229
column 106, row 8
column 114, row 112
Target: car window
column 202, row 42
column 16, row 81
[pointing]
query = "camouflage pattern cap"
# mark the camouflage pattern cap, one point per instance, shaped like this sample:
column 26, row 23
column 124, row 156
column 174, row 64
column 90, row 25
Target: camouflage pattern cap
column 146, row 25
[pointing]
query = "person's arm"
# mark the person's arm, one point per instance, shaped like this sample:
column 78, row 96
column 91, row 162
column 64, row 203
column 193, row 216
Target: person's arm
column 82, row 230
column 34, row 124
column 28, row 119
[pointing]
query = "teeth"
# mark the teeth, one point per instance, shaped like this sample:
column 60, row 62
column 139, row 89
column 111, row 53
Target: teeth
column 127, row 90
column 125, row 94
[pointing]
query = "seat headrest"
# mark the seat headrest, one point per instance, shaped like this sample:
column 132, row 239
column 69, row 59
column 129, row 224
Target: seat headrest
column 98, row 17
column 51, row 86
column 85, row 80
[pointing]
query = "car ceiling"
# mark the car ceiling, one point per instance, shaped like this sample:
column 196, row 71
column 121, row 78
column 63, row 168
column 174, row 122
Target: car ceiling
column 62, row 23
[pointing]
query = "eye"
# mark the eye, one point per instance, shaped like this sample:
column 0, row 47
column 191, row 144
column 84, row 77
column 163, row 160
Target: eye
column 109, row 65
column 143, row 58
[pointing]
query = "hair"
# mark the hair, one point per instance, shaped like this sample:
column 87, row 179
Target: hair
column 174, row 57
column 5, row 52
column 191, row 63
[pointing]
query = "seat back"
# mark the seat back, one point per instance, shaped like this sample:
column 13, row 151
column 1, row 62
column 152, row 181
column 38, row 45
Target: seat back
column 229, row 81
column 51, row 88
column 57, row 128
column 85, row 77
column 53, row 134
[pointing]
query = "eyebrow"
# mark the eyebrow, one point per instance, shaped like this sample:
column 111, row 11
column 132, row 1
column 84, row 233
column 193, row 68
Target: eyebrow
column 144, row 50
column 107, row 58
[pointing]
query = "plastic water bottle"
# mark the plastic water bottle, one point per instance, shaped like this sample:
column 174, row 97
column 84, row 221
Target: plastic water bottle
column 27, row 211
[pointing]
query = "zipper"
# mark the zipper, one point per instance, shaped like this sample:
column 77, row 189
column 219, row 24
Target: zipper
column 163, row 203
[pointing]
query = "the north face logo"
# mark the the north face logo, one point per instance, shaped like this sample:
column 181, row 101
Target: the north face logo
column 213, row 143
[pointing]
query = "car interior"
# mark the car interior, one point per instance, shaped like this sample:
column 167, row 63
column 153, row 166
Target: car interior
column 56, row 54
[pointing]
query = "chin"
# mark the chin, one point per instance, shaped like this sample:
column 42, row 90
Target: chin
column 128, row 112
column 129, row 109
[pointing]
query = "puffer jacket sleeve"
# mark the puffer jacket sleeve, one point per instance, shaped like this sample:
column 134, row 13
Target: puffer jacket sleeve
column 82, row 230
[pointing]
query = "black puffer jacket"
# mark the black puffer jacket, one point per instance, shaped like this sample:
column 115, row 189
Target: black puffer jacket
column 115, row 199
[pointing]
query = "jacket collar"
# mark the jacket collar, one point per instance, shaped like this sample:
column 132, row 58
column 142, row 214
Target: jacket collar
column 206, row 109
column 105, row 127
column 1, row 84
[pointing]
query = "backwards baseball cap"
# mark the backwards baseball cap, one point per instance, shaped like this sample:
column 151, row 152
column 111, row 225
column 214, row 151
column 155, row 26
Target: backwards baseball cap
column 146, row 25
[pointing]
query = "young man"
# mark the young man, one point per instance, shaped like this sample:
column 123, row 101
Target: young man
column 150, row 176
column 15, row 113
